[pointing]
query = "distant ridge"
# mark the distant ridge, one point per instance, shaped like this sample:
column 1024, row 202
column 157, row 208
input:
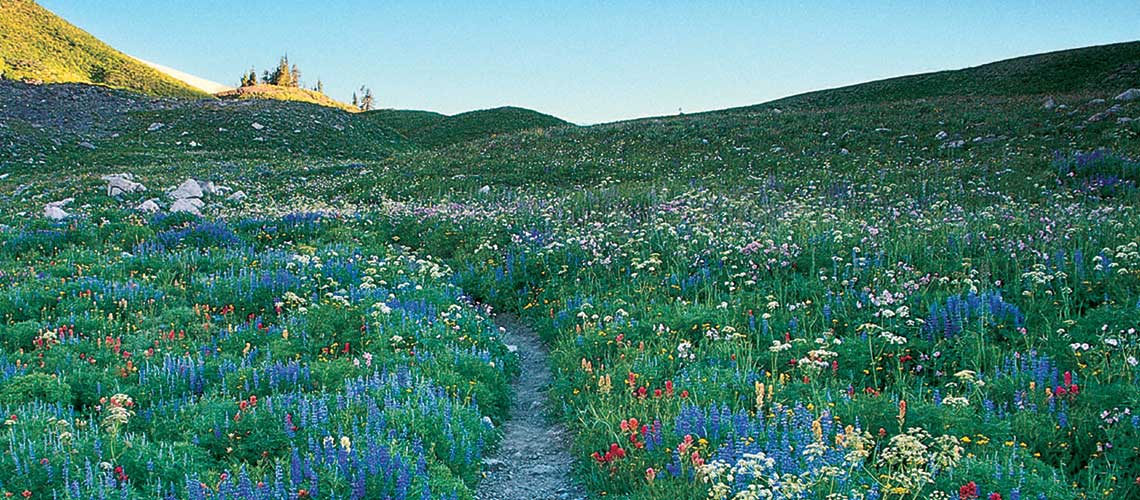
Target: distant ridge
column 430, row 129
column 1113, row 67
column 37, row 45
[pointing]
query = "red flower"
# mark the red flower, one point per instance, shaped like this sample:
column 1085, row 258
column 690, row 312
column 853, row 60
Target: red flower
column 995, row 496
column 27, row 494
column 669, row 387
column 1068, row 378
column 685, row 393
column 968, row 491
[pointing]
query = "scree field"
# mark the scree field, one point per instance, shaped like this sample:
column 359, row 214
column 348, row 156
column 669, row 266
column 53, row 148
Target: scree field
column 925, row 287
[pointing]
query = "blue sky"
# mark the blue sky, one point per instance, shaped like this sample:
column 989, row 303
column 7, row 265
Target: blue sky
column 591, row 61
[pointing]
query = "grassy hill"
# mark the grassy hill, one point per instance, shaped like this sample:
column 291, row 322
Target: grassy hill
column 435, row 130
column 36, row 44
column 279, row 93
column 1108, row 68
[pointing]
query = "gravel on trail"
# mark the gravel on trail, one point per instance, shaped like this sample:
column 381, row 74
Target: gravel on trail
column 532, row 461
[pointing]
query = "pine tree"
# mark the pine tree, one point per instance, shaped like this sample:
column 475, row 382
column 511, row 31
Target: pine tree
column 295, row 76
column 320, row 86
column 355, row 101
column 366, row 101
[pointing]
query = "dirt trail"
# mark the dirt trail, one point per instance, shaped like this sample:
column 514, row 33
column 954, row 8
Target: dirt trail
column 532, row 462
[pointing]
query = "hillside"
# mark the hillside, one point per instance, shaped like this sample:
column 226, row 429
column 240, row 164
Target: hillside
column 1106, row 68
column 36, row 44
column 435, row 130
column 279, row 93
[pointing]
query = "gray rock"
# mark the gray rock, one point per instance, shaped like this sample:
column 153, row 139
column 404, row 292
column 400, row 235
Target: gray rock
column 87, row 145
column 257, row 126
column 1128, row 95
column 844, row 151
column 493, row 464
column 954, row 144
column 512, row 348
column 941, row 135
column 237, row 196
column 1096, row 101
column 485, row 189
column 188, row 189
column 882, row 129
column 122, row 183
column 55, row 213
column 186, row 205
column 155, row 126
column 1123, row 119
column 1049, row 104
column 148, row 206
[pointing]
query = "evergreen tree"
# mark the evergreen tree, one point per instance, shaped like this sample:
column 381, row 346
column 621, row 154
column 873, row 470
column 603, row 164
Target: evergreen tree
column 320, row 86
column 295, row 76
column 366, row 101
column 355, row 101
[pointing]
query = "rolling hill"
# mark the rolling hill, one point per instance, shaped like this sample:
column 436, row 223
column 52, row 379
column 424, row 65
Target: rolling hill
column 435, row 130
column 35, row 44
column 279, row 93
column 1112, row 68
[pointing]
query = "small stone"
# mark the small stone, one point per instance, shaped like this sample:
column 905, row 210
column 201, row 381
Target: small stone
column 257, row 126
column 493, row 464
column 148, row 206
column 1128, row 95
column 844, row 151
column 55, row 213
column 485, row 189
column 155, row 126
column 941, row 135
column 1049, row 104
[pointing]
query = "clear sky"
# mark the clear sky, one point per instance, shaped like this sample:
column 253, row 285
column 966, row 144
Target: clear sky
column 591, row 61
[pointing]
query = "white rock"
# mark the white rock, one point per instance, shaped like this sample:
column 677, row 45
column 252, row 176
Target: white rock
column 954, row 144
column 148, row 206
column 61, row 203
column 882, row 129
column 485, row 189
column 188, row 189
column 844, row 151
column 941, row 135
column 155, row 126
column 257, row 126
column 54, row 213
column 237, row 196
column 122, row 183
column 1128, row 95
column 186, row 205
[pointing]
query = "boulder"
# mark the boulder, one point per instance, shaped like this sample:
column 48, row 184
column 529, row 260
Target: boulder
column 188, row 189
column 148, row 206
column 55, row 213
column 237, row 196
column 1128, row 95
column 186, row 205
column 122, row 183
